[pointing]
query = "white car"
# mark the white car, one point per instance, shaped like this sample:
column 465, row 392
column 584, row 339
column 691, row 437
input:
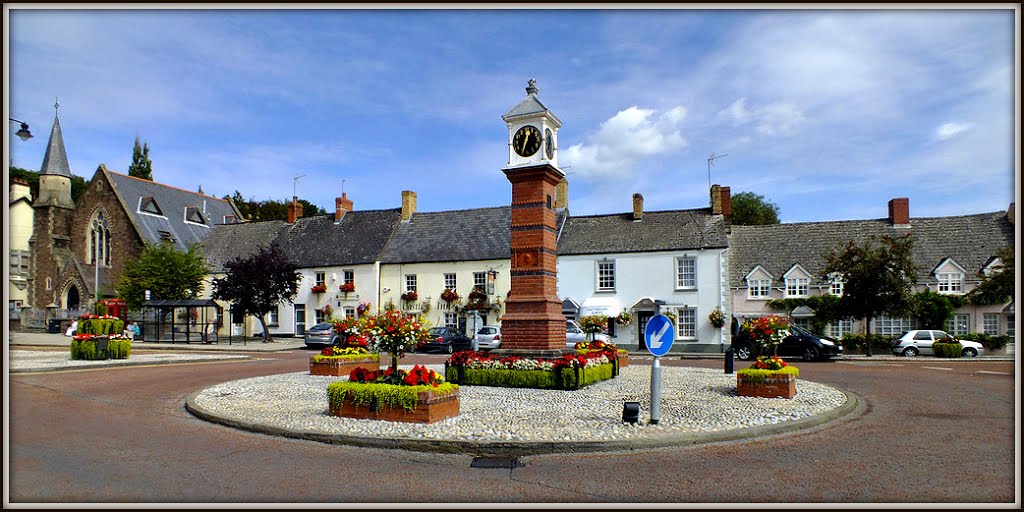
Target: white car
column 920, row 341
column 574, row 334
column 488, row 337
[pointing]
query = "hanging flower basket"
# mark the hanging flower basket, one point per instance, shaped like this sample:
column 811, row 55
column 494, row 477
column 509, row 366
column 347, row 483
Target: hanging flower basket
column 347, row 287
column 716, row 318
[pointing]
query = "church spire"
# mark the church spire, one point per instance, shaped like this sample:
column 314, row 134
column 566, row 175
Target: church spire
column 55, row 161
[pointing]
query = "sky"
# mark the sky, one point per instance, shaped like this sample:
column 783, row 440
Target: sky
column 826, row 113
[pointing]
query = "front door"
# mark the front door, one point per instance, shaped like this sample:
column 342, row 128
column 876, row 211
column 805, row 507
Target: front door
column 641, row 323
column 73, row 301
column 300, row 319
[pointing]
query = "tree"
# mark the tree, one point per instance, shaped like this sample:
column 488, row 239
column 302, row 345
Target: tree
column 141, row 166
column 750, row 209
column 163, row 270
column 257, row 283
column 270, row 209
column 933, row 309
column 78, row 183
column 878, row 278
column 998, row 286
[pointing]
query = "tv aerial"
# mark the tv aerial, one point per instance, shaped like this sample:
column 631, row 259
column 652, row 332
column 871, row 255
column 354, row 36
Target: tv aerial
column 711, row 161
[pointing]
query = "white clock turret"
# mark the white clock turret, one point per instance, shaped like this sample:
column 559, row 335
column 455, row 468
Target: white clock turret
column 532, row 132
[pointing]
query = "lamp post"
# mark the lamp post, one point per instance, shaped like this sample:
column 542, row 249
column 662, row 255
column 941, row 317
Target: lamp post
column 23, row 132
column 99, row 227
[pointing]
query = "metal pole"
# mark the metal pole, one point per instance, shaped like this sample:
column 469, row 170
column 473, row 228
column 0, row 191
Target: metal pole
column 656, row 391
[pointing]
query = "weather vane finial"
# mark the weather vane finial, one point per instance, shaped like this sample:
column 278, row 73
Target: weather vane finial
column 56, row 104
column 531, row 87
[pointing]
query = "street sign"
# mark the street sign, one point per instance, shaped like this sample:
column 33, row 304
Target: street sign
column 659, row 335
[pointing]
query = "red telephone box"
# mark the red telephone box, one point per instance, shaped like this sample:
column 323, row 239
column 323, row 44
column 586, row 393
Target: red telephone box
column 116, row 307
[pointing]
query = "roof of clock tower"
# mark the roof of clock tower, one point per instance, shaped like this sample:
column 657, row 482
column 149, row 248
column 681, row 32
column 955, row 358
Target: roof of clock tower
column 530, row 107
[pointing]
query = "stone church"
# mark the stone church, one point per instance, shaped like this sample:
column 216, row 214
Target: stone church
column 76, row 248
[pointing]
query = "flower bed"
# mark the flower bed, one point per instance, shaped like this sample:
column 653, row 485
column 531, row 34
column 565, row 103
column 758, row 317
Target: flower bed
column 768, row 377
column 419, row 396
column 93, row 347
column 585, row 347
column 571, row 371
column 339, row 362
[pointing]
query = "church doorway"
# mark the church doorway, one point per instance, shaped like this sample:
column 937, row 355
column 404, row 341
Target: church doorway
column 72, row 301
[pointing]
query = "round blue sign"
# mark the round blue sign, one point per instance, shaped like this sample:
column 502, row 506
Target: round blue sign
column 659, row 335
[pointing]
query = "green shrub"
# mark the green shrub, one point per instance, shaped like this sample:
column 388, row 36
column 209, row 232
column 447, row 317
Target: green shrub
column 88, row 350
column 534, row 379
column 119, row 349
column 879, row 343
column 950, row 350
column 755, row 375
column 100, row 326
column 989, row 341
column 376, row 396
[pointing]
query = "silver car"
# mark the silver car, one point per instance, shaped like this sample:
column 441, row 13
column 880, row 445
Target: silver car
column 488, row 337
column 321, row 335
column 920, row 341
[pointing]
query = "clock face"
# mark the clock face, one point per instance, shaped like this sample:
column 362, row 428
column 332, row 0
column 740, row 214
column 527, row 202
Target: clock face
column 527, row 141
column 549, row 143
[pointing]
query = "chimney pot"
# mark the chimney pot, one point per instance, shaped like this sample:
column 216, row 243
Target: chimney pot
column 638, row 207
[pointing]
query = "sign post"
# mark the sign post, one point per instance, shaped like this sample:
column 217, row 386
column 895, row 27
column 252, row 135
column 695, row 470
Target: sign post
column 659, row 336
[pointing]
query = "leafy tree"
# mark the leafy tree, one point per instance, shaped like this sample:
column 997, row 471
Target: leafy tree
column 933, row 309
column 141, row 166
column 78, row 183
column 257, row 283
column 998, row 286
column 270, row 209
column 750, row 209
column 878, row 278
column 826, row 309
column 163, row 270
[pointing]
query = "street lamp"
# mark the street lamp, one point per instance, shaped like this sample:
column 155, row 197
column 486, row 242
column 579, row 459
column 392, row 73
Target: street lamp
column 23, row 132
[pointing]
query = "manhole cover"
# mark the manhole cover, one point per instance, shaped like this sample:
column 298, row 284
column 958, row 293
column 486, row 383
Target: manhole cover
column 495, row 462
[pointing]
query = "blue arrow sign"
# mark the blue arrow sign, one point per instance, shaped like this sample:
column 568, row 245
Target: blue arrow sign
column 659, row 335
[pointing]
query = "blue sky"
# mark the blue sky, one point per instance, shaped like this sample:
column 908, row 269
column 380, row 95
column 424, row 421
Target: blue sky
column 826, row 113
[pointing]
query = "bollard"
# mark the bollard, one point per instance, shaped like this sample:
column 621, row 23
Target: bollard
column 728, row 359
column 631, row 412
column 656, row 391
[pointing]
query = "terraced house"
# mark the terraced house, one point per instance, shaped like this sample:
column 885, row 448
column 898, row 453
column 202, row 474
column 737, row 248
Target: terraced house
column 950, row 253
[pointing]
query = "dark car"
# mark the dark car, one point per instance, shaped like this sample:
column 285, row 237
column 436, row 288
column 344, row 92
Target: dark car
column 321, row 335
column 447, row 339
column 800, row 343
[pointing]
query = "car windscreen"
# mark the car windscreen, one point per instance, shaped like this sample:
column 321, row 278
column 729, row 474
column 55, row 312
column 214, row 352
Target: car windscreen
column 437, row 330
column 320, row 327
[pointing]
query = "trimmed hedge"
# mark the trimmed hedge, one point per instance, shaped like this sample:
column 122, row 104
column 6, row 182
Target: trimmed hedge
column 950, row 350
column 879, row 343
column 376, row 395
column 756, row 375
column 87, row 350
column 565, row 378
column 100, row 326
column 989, row 341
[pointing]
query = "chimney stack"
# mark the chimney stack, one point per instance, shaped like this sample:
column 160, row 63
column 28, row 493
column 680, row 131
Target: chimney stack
column 899, row 212
column 638, row 207
column 342, row 205
column 716, row 199
column 1011, row 212
column 294, row 210
column 408, row 204
column 726, row 202
column 562, row 194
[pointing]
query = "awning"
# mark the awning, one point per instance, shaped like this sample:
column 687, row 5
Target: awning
column 648, row 303
column 802, row 312
column 608, row 306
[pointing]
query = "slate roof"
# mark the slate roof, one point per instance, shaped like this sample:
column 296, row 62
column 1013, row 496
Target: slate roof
column 172, row 202
column 55, row 161
column 453, row 235
column 658, row 231
column 310, row 242
column 970, row 240
column 530, row 106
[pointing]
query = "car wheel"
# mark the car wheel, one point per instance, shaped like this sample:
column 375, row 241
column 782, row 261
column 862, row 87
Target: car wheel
column 970, row 352
column 910, row 352
column 810, row 354
column 449, row 348
column 743, row 353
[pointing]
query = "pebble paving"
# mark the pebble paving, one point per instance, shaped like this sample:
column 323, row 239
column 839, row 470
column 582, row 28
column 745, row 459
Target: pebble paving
column 38, row 360
column 693, row 400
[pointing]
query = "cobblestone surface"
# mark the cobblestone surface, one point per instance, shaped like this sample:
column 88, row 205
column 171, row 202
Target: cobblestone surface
column 37, row 360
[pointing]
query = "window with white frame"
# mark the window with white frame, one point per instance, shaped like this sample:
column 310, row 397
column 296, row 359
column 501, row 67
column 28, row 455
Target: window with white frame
column 410, row 282
column 759, row 288
column 958, row 324
column 990, row 324
column 273, row 317
column 950, row 282
column 797, row 286
column 835, row 284
column 451, row 320
column 320, row 316
column 686, row 323
column 480, row 280
column 349, row 276
column 319, row 278
column 19, row 262
column 840, row 328
column 606, row 275
column 350, row 312
column 888, row 326
column 449, row 281
column 686, row 272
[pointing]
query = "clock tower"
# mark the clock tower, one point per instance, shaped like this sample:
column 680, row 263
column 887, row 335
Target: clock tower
column 533, row 324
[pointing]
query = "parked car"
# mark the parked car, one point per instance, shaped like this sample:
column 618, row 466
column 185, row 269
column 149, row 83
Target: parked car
column 488, row 337
column 920, row 341
column 321, row 335
column 446, row 339
column 574, row 334
column 799, row 343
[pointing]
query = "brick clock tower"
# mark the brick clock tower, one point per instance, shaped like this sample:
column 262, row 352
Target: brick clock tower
column 533, row 324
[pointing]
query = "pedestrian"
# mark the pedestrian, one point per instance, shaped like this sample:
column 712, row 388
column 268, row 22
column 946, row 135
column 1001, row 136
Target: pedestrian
column 132, row 330
column 73, row 329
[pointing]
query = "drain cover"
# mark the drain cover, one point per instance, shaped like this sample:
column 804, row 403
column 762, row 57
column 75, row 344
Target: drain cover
column 495, row 462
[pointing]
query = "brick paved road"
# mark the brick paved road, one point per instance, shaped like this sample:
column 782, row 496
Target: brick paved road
column 931, row 433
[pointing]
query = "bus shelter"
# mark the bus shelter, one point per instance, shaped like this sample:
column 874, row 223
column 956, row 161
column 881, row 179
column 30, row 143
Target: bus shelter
column 181, row 320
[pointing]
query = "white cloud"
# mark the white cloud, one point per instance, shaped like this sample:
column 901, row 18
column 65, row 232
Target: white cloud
column 779, row 118
column 951, row 129
column 624, row 139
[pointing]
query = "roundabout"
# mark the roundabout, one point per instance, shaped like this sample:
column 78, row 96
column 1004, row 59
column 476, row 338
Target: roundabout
column 697, row 405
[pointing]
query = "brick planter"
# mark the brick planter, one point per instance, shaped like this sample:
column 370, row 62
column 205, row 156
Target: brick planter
column 430, row 408
column 778, row 385
column 342, row 367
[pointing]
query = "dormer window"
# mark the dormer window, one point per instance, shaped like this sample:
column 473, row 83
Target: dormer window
column 835, row 284
column 950, row 282
column 166, row 236
column 759, row 284
column 798, row 282
column 229, row 219
column 194, row 216
column 148, row 205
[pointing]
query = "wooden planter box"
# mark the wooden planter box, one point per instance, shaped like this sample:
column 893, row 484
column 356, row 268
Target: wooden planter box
column 779, row 385
column 342, row 367
column 623, row 359
column 430, row 408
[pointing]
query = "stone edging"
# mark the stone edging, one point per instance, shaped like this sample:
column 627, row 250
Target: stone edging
column 853, row 404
